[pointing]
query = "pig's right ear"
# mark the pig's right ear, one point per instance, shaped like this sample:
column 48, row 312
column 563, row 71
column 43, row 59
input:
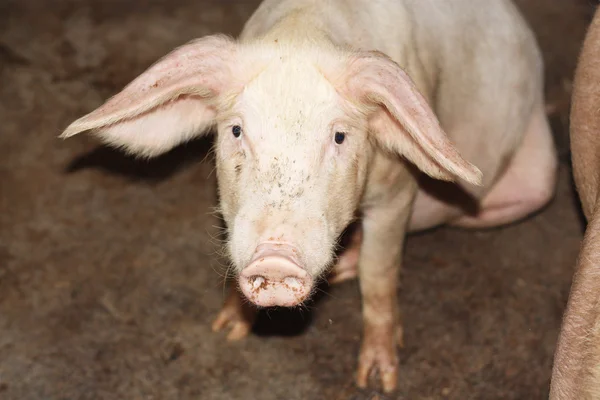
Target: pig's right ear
column 171, row 102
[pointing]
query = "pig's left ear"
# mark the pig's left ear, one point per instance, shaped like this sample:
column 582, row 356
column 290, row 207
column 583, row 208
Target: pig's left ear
column 169, row 103
column 401, row 119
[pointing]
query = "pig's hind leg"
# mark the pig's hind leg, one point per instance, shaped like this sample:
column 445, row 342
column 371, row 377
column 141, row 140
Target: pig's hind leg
column 237, row 315
column 526, row 186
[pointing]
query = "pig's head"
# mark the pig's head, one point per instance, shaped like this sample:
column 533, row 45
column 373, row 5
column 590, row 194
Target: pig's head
column 295, row 129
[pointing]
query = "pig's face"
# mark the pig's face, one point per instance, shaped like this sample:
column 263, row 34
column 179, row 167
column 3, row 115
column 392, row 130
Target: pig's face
column 296, row 125
column 291, row 164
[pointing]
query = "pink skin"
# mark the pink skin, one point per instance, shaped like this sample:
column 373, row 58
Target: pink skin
column 274, row 277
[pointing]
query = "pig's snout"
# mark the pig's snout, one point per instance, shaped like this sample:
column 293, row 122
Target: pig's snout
column 274, row 277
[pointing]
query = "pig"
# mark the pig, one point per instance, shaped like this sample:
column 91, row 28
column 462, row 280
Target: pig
column 576, row 370
column 396, row 115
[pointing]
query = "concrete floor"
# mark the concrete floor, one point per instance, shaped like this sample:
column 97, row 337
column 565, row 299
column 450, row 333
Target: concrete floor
column 109, row 277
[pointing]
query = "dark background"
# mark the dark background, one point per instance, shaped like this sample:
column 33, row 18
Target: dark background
column 109, row 273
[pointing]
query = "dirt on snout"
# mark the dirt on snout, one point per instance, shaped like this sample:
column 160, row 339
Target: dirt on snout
column 110, row 274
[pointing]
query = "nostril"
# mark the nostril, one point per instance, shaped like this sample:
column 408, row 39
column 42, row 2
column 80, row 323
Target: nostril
column 292, row 283
column 274, row 279
column 257, row 281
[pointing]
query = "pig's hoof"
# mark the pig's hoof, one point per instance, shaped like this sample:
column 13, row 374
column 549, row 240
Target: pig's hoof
column 378, row 361
column 237, row 319
column 346, row 267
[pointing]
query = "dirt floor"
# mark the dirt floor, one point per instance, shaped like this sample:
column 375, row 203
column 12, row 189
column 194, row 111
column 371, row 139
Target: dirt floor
column 109, row 277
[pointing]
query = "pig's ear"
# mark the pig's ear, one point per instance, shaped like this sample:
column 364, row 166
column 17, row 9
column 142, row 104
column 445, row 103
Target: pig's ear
column 402, row 121
column 169, row 103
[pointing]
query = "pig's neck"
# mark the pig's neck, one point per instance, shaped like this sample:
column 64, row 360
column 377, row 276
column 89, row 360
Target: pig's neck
column 309, row 26
column 300, row 28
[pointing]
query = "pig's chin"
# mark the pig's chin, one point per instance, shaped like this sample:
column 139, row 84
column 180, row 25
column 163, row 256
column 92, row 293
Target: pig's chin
column 275, row 277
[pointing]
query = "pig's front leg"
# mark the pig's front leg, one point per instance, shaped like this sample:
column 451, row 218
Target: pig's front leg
column 237, row 315
column 383, row 237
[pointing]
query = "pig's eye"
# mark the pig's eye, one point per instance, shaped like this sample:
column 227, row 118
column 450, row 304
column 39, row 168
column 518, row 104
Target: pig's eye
column 339, row 137
column 236, row 130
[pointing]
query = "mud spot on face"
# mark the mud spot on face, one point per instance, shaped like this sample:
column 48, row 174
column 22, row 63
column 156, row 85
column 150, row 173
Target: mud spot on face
column 294, row 285
column 258, row 283
column 238, row 170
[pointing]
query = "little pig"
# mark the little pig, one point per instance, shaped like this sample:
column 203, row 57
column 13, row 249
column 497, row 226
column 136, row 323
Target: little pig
column 330, row 110
column 576, row 373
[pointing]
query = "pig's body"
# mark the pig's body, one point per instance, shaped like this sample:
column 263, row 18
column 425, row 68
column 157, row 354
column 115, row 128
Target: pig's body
column 463, row 59
column 576, row 372
column 314, row 105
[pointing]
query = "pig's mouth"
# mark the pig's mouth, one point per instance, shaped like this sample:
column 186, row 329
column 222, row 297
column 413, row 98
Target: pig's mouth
column 275, row 277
